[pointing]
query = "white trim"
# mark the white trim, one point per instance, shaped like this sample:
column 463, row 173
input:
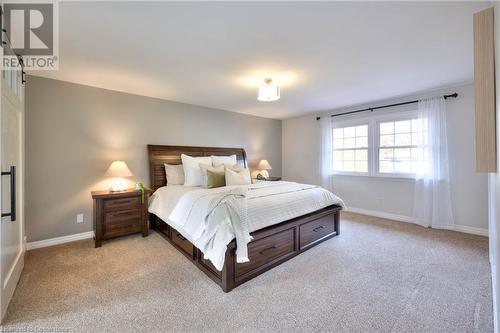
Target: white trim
column 373, row 123
column 494, row 288
column 59, row 240
column 14, row 269
column 383, row 215
column 408, row 219
column 374, row 178
column 10, row 282
column 471, row 230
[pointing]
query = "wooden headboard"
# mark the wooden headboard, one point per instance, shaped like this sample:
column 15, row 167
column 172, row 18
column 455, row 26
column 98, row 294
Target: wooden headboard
column 158, row 155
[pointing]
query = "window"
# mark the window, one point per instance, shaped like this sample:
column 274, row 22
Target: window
column 350, row 149
column 386, row 146
column 400, row 148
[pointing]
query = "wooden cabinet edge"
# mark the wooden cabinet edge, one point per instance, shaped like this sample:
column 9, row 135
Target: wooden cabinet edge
column 484, row 91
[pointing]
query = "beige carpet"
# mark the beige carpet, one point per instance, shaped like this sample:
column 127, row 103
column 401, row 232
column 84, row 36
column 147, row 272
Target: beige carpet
column 378, row 276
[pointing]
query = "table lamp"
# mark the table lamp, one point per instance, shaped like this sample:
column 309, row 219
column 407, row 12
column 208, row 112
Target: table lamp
column 263, row 166
column 118, row 170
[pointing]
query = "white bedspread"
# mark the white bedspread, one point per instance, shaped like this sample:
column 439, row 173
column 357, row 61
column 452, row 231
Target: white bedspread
column 268, row 203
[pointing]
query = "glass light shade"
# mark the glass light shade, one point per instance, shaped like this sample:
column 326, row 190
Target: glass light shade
column 264, row 165
column 269, row 92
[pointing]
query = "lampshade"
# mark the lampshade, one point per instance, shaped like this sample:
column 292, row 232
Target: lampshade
column 268, row 92
column 264, row 165
column 118, row 169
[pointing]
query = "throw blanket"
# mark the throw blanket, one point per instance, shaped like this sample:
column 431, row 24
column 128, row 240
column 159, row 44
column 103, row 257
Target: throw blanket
column 227, row 208
column 205, row 215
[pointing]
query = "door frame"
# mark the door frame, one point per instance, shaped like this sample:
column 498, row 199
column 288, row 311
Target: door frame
column 9, row 284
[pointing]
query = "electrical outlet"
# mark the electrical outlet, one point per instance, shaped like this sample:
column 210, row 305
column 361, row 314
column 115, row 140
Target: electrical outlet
column 79, row 218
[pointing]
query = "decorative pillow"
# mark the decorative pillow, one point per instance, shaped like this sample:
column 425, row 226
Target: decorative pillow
column 238, row 178
column 234, row 167
column 208, row 167
column 215, row 179
column 192, row 172
column 175, row 174
column 221, row 160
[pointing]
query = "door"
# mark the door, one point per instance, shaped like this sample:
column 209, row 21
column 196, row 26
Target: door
column 12, row 243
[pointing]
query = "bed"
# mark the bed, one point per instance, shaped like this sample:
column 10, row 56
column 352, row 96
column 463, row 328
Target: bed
column 271, row 244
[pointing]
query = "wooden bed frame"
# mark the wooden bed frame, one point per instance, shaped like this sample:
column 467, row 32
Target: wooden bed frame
column 270, row 246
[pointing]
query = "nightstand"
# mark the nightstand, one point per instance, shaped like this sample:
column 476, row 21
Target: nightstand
column 272, row 179
column 119, row 213
column 268, row 179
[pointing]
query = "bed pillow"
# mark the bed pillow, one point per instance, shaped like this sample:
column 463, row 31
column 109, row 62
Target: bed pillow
column 175, row 174
column 234, row 167
column 208, row 167
column 192, row 172
column 221, row 160
column 216, row 179
column 238, row 177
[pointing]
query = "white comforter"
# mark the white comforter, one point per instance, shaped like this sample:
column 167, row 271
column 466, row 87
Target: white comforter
column 268, row 203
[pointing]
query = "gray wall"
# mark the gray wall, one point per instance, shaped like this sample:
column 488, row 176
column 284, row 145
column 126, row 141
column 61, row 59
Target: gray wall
column 73, row 132
column 395, row 196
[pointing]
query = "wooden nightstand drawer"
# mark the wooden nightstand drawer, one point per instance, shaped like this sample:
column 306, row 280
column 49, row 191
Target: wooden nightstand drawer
column 121, row 203
column 121, row 215
column 121, row 227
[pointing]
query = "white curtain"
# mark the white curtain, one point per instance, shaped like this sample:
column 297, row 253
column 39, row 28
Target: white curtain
column 326, row 153
column 432, row 204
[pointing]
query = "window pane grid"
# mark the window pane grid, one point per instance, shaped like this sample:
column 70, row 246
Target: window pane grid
column 400, row 146
column 350, row 153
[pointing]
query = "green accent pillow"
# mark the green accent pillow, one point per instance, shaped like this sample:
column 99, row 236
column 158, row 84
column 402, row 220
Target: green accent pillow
column 215, row 179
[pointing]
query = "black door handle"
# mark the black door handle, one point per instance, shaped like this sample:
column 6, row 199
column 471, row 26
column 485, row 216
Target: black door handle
column 12, row 174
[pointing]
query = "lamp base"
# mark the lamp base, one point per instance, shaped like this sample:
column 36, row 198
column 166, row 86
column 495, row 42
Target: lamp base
column 118, row 185
column 263, row 174
column 115, row 190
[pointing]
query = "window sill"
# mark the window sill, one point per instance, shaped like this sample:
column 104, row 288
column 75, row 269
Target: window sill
column 374, row 178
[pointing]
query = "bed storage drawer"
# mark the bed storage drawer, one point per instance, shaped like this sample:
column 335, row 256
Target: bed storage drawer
column 184, row 244
column 267, row 250
column 312, row 232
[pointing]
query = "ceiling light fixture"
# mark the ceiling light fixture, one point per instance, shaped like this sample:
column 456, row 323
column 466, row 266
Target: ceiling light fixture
column 268, row 92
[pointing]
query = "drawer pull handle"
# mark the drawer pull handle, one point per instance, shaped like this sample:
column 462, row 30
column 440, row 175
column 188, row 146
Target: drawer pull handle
column 269, row 249
column 318, row 228
column 180, row 237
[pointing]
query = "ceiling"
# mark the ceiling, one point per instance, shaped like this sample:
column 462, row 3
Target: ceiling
column 324, row 55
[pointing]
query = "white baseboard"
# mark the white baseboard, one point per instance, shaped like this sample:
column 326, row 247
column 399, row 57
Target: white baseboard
column 59, row 240
column 471, row 230
column 380, row 214
column 408, row 219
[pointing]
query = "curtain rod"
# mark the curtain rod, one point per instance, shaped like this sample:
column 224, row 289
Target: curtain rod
column 454, row 95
